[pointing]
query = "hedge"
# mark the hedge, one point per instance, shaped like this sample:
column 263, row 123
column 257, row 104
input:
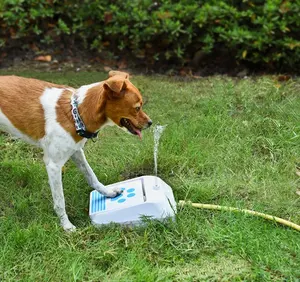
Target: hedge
column 255, row 31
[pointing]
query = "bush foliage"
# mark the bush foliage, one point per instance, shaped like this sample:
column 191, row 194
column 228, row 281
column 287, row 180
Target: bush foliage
column 256, row 31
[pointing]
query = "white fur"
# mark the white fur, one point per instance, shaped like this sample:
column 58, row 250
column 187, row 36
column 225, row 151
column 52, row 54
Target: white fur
column 58, row 146
column 108, row 122
column 82, row 91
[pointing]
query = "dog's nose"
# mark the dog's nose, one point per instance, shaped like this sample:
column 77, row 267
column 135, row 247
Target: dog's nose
column 149, row 123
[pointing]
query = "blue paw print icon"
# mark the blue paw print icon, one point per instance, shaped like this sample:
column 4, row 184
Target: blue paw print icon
column 129, row 193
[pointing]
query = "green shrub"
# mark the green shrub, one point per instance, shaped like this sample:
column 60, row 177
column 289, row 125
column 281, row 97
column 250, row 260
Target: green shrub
column 256, row 31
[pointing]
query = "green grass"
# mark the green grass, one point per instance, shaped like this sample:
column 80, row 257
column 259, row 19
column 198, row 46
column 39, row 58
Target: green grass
column 229, row 142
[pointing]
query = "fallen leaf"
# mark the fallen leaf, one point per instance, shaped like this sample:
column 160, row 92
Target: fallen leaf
column 107, row 68
column 298, row 192
column 186, row 72
column 122, row 64
column 197, row 76
column 96, row 60
column 33, row 47
column 283, row 77
column 12, row 32
column 46, row 58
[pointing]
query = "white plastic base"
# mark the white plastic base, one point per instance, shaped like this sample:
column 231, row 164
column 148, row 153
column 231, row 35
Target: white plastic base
column 143, row 196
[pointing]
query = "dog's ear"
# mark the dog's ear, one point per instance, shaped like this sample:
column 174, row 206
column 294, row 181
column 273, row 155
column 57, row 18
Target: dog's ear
column 115, row 86
column 120, row 73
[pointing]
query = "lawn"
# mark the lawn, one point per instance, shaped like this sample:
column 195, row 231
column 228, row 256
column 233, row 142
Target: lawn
column 227, row 141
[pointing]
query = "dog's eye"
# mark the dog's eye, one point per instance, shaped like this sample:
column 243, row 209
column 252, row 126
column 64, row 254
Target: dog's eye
column 137, row 109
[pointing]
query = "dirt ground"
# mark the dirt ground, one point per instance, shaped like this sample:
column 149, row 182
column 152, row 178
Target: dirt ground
column 76, row 59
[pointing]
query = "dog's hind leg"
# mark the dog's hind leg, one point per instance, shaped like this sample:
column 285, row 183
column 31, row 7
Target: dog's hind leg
column 79, row 159
column 55, row 181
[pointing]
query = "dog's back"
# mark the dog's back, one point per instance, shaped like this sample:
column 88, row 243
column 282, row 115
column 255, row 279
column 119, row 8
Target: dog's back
column 20, row 105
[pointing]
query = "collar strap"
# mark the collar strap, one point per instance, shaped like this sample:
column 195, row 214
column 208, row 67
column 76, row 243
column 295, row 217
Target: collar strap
column 79, row 125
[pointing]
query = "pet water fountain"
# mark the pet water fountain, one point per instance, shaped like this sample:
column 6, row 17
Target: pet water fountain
column 145, row 196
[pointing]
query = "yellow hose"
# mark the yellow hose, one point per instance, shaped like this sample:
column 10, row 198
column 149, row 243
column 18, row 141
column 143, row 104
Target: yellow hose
column 263, row 215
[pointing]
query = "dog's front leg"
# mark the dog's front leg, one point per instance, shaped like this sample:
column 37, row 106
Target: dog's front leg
column 79, row 158
column 55, row 181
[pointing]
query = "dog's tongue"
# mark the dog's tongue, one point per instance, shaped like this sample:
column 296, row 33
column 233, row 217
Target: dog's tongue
column 138, row 132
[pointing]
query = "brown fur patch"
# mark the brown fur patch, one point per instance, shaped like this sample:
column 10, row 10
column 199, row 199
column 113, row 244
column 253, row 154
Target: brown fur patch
column 20, row 102
column 91, row 111
column 125, row 106
column 64, row 115
column 121, row 73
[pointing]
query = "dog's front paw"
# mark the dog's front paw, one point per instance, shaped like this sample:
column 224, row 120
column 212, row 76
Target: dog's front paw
column 113, row 192
column 117, row 191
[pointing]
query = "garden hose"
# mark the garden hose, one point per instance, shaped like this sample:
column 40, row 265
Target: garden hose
column 225, row 208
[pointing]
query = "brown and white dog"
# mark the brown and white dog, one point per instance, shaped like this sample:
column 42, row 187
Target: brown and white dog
column 41, row 113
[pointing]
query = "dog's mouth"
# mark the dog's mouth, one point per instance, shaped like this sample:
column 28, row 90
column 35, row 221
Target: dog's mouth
column 130, row 127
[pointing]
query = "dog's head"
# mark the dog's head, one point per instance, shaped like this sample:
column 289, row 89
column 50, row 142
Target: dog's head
column 124, row 103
